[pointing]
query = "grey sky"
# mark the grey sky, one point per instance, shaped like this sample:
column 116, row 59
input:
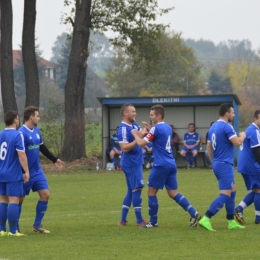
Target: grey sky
column 216, row 20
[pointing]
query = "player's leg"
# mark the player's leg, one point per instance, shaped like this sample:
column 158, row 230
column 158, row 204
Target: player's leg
column 225, row 188
column 14, row 191
column 126, row 204
column 136, row 181
column 3, row 209
column 247, row 200
column 194, row 155
column 171, row 187
column 113, row 159
column 257, row 205
column 183, row 153
column 156, row 181
column 41, row 186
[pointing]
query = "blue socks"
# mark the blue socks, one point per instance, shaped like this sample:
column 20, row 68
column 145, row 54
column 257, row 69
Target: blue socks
column 3, row 215
column 137, row 204
column 230, row 206
column 19, row 214
column 216, row 205
column 153, row 209
column 40, row 211
column 247, row 201
column 184, row 203
column 12, row 216
column 257, row 205
column 126, row 205
column 113, row 160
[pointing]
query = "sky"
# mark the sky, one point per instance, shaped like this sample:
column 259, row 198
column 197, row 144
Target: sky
column 215, row 20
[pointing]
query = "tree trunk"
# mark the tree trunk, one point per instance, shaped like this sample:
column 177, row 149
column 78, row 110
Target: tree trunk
column 74, row 136
column 7, row 77
column 29, row 56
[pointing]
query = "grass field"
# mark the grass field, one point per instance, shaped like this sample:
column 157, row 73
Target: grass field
column 85, row 207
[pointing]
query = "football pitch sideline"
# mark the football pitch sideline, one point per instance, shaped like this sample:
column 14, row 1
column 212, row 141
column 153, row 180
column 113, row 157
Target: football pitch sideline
column 85, row 207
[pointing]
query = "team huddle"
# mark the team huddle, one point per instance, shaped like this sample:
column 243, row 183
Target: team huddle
column 20, row 171
column 220, row 148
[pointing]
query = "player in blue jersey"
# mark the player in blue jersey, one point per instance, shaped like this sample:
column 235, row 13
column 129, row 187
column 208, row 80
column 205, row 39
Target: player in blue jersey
column 115, row 149
column 220, row 145
column 191, row 140
column 12, row 157
column 131, row 164
column 33, row 146
column 164, row 171
column 249, row 167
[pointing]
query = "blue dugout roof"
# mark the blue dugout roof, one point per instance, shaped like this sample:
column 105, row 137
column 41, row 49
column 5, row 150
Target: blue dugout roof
column 172, row 100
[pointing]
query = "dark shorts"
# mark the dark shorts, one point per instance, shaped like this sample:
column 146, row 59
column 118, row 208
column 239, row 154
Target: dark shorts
column 134, row 177
column 251, row 181
column 184, row 148
column 37, row 182
column 224, row 173
column 12, row 189
column 160, row 177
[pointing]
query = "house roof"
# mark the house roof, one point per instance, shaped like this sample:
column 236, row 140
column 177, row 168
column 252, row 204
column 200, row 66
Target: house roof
column 17, row 59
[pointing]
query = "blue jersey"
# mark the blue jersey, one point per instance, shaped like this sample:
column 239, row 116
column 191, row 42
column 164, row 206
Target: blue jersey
column 11, row 141
column 191, row 138
column 219, row 136
column 32, row 142
column 114, row 142
column 247, row 163
column 161, row 136
column 135, row 156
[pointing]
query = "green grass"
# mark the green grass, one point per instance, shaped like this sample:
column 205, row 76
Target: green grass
column 85, row 207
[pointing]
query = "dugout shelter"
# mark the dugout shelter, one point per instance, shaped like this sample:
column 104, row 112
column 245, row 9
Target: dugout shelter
column 179, row 111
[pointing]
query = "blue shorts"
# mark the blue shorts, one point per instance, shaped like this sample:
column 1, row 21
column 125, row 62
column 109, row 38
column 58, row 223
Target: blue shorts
column 184, row 148
column 134, row 177
column 14, row 188
column 252, row 181
column 161, row 176
column 224, row 173
column 37, row 182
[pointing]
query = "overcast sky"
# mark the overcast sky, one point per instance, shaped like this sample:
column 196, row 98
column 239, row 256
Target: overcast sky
column 216, row 20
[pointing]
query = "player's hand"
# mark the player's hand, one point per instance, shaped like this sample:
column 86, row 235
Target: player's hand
column 143, row 132
column 242, row 134
column 146, row 125
column 59, row 164
column 134, row 132
column 26, row 177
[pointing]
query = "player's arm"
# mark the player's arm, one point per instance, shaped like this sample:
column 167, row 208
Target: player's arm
column 256, row 152
column 209, row 149
column 238, row 140
column 23, row 161
column 140, row 141
column 127, row 147
column 45, row 151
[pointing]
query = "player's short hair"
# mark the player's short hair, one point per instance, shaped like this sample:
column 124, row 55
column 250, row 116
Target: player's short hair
column 124, row 108
column 158, row 110
column 256, row 114
column 29, row 111
column 191, row 124
column 225, row 108
column 10, row 116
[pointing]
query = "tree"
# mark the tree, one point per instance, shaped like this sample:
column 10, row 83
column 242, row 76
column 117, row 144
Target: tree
column 136, row 34
column 29, row 55
column 219, row 85
column 7, row 79
column 175, row 66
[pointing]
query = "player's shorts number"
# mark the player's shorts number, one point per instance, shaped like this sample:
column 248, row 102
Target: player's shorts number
column 3, row 150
